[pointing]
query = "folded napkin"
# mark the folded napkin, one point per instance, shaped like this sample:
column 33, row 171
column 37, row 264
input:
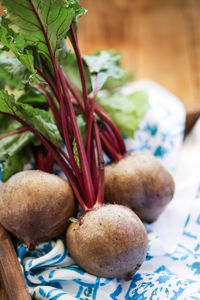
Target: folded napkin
column 172, row 266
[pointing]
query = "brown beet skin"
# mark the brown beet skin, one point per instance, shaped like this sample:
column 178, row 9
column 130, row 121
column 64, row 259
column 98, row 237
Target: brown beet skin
column 36, row 206
column 109, row 241
column 140, row 182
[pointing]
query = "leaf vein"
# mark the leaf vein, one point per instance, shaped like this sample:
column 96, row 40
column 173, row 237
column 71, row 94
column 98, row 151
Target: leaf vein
column 38, row 5
column 57, row 32
column 9, row 107
column 27, row 29
column 28, row 21
column 45, row 53
column 47, row 18
column 56, row 17
column 20, row 4
column 39, row 41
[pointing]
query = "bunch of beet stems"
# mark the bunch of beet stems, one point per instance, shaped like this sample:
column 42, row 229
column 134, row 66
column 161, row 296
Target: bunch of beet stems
column 111, row 138
column 87, row 181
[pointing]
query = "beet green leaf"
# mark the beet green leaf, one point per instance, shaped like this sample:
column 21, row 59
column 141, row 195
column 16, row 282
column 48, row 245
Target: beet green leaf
column 40, row 119
column 11, row 145
column 14, row 163
column 125, row 110
column 15, row 148
column 12, row 41
column 42, row 23
column 70, row 67
column 12, row 72
column 106, row 66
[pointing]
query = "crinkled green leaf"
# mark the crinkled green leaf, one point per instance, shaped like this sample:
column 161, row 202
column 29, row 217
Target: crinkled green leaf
column 11, row 145
column 62, row 51
column 78, row 10
column 33, row 97
column 125, row 111
column 40, row 119
column 12, row 72
column 13, row 149
column 12, row 41
column 106, row 66
column 70, row 68
column 114, row 81
column 14, row 164
column 32, row 18
column 8, row 124
column 7, row 102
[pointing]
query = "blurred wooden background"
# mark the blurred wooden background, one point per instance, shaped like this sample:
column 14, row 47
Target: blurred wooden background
column 158, row 39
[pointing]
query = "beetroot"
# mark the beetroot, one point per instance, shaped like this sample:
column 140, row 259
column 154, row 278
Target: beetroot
column 140, row 182
column 109, row 241
column 36, row 206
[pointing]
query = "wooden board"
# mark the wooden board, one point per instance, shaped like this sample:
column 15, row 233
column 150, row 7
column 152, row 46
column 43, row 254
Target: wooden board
column 3, row 295
column 12, row 278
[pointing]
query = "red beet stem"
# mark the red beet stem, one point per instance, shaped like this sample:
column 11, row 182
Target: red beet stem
column 110, row 151
column 81, row 67
column 112, row 125
column 39, row 159
column 104, row 117
column 53, row 89
column 51, row 105
column 89, row 125
column 49, row 163
column 100, row 194
column 60, row 84
column 17, row 131
column 79, row 143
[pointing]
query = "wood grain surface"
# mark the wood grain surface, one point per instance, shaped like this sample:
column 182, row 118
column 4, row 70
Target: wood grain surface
column 14, row 286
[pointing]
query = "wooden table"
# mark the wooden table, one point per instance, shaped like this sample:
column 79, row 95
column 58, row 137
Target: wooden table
column 159, row 40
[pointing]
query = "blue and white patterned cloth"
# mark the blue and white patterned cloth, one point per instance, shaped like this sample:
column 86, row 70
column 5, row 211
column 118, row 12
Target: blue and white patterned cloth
column 172, row 266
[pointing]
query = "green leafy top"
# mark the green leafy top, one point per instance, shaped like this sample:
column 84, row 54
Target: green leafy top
column 14, row 148
column 106, row 66
column 70, row 67
column 103, row 65
column 42, row 120
column 15, row 143
column 12, row 41
column 125, row 110
column 42, row 22
column 12, row 72
column 28, row 30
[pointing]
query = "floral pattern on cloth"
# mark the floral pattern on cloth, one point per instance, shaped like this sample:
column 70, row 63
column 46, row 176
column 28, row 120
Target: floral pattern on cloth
column 172, row 266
